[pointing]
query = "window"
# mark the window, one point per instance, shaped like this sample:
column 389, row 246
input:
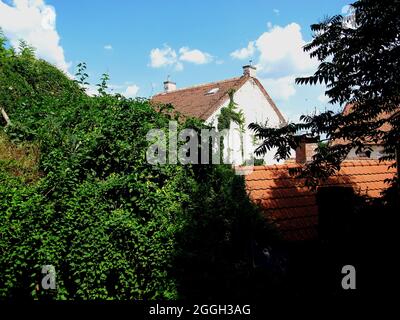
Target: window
column 212, row 91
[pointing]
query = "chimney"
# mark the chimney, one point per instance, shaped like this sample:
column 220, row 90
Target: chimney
column 169, row 86
column 250, row 70
column 306, row 148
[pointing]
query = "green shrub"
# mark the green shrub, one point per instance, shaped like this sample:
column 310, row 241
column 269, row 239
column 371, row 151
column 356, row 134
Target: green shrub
column 112, row 225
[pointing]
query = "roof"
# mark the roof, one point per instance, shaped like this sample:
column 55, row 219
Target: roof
column 349, row 108
column 286, row 201
column 382, row 116
column 197, row 102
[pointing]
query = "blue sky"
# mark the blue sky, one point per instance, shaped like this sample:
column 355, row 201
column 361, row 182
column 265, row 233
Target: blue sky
column 139, row 43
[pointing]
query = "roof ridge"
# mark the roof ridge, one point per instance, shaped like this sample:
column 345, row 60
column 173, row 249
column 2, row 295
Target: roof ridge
column 201, row 85
column 277, row 166
column 345, row 163
column 365, row 162
column 271, row 102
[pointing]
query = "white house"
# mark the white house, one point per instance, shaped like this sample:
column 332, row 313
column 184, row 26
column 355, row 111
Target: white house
column 205, row 102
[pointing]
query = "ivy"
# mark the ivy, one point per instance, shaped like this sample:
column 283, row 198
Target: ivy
column 230, row 114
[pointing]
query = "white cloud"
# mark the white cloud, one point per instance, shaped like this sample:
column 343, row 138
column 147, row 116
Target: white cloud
column 166, row 56
column 276, row 11
column 131, row 91
column 347, row 9
column 281, row 49
column 279, row 58
column 280, row 88
column 194, row 56
column 92, row 90
column 35, row 22
column 244, row 52
column 127, row 89
column 162, row 57
column 108, row 47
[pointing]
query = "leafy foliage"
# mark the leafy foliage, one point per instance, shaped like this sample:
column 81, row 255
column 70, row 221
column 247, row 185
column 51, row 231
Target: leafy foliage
column 103, row 85
column 359, row 67
column 229, row 114
column 112, row 225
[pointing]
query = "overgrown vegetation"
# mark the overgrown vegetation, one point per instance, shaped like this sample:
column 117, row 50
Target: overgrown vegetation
column 77, row 193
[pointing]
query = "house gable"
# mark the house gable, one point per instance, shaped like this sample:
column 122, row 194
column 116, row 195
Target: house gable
column 204, row 101
column 251, row 99
column 254, row 101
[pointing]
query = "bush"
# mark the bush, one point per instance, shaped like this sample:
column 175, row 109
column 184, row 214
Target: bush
column 112, row 225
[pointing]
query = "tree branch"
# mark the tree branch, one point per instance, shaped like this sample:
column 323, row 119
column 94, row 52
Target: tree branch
column 5, row 116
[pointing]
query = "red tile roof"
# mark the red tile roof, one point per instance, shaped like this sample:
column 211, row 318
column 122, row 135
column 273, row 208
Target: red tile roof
column 197, row 102
column 286, row 201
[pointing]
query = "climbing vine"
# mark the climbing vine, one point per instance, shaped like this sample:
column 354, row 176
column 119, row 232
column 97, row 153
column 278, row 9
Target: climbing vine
column 230, row 114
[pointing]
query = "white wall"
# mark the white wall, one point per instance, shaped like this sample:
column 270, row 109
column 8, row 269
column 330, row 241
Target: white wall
column 256, row 108
column 376, row 153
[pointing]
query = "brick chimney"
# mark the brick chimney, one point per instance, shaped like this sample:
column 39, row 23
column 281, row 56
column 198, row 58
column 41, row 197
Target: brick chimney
column 306, row 148
column 250, row 70
column 169, row 86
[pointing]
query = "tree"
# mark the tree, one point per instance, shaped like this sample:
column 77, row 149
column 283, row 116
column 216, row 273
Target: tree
column 359, row 66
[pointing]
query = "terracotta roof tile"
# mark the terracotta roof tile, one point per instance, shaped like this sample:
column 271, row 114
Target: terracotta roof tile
column 292, row 207
column 197, row 102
